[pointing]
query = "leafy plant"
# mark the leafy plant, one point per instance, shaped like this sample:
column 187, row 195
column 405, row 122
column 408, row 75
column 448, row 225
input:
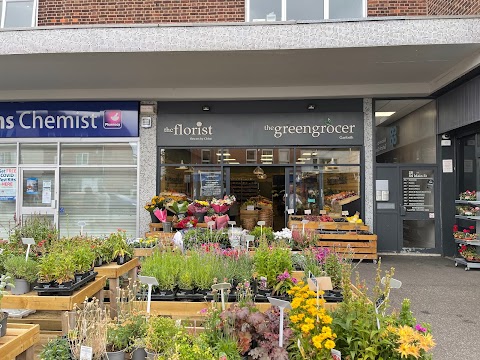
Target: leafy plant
column 47, row 267
column 17, row 268
column 39, row 227
column 272, row 261
column 164, row 266
column 265, row 231
column 56, row 349
column 4, row 282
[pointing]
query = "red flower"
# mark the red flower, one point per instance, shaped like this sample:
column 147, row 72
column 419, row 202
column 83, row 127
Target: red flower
column 455, row 228
column 471, row 227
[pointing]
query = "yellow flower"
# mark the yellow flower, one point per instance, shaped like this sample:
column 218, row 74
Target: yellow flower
column 307, row 327
column 296, row 302
column 329, row 344
column 294, row 319
column 426, row 342
column 309, row 320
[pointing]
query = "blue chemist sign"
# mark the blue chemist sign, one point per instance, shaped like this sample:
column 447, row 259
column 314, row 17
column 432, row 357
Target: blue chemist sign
column 68, row 119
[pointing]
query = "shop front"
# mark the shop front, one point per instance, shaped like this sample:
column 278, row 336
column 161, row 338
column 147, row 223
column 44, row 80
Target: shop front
column 280, row 158
column 74, row 163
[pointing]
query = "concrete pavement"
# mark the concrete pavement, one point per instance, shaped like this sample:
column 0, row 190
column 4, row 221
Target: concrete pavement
column 441, row 294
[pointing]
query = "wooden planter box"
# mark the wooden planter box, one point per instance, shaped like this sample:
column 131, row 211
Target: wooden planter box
column 19, row 342
column 315, row 225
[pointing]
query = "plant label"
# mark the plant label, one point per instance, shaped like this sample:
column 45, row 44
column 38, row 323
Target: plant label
column 86, row 353
column 344, row 213
column 323, row 212
column 290, row 211
column 250, row 207
column 222, row 356
column 336, row 355
column 308, row 212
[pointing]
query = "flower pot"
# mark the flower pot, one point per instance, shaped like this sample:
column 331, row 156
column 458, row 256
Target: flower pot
column 21, row 287
column 65, row 284
column 98, row 262
column 3, row 323
column 151, row 355
column 139, row 354
column 200, row 217
column 167, row 226
column 115, row 355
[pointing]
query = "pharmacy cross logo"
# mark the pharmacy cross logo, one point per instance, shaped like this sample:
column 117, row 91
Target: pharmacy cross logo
column 112, row 119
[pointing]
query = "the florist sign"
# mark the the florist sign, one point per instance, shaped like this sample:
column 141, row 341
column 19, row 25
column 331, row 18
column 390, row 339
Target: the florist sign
column 68, row 119
column 260, row 129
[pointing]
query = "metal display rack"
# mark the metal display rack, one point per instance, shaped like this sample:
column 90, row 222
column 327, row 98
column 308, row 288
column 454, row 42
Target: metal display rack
column 460, row 260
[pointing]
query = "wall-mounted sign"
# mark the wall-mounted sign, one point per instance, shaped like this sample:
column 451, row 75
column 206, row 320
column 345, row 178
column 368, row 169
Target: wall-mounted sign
column 8, row 184
column 418, row 190
column 342, row 128
column 68, row 119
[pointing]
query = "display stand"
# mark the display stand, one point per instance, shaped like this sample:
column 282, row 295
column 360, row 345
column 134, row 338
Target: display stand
column 113, row 272
column 19, row 342
column 476, row 219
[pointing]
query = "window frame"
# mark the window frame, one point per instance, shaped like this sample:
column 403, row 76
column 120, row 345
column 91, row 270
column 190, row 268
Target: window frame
column 3, row 8
column 326, row 10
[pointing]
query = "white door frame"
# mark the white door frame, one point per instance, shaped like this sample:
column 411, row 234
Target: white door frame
column 46, row 210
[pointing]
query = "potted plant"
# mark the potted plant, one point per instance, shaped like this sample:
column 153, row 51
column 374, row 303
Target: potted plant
column 118, row 337
column 56, row 349
column 4, row 282
column 64, row 271
column 83, row 260
column 121, row 250
column 46, row 269
column 185, row 278
column 23, row 272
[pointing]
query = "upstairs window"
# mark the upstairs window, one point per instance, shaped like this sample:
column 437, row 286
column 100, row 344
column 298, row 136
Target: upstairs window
column 288, row 10
column 18, row 13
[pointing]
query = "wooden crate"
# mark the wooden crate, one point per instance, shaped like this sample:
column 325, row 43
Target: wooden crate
column 355, row 246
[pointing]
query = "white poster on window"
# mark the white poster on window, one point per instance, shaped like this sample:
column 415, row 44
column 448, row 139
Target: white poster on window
column 46, row 196
column 8, row 184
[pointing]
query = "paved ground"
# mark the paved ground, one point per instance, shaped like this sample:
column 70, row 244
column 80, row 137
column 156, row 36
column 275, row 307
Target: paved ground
column 446, row 296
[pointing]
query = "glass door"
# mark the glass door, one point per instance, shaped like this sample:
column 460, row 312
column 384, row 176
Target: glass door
column 39, row 193
column 418, row 208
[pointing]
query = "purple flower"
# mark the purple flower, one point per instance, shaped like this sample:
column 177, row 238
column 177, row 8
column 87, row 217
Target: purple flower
column 420, row 328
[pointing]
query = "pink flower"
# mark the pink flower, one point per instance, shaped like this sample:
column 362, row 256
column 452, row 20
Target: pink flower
column 420, row 328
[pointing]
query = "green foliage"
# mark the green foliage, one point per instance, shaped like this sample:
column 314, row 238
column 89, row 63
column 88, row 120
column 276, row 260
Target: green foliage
column 17, row 268
column 227, row 345
column 56, row 349
column 406, row 316
column 266, row 232
column 117, row 243
column 271, row 262
column 165, row 267
column 194, row 238
column 39, row 227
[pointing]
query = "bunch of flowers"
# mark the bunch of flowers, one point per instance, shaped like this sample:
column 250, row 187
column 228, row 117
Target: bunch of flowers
column 221, row 206
column 412, row 343
column 310, row 323
column 467, row 210
column 468, row 195
column 285, row 234
column 465, row 234
column 187, row 222
column 199, row 207
column 157, row 202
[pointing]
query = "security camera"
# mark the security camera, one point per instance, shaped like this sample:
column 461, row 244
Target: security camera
column 446, row 136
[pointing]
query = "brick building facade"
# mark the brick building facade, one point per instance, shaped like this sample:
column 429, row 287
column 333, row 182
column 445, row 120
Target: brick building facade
column 85, row 12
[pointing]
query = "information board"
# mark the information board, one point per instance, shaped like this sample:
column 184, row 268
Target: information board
column 8, row 184
column 418, row 190
column 211, row 184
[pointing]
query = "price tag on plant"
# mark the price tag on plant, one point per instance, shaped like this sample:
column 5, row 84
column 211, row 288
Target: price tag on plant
column 344, row 213
column 336, row 355
column 86, row 353
column 323, row 212
column 222, row 356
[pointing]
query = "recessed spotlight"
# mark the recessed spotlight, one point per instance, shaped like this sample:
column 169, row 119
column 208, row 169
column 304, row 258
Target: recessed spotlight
column 311, row 107
column 206, row 108
column 384, row 113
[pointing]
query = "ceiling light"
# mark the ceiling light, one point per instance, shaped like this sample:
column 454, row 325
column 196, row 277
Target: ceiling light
column 205, row 108
column 311, row 107
column 300, row 162
column 189, row 170
column 262, row 176
column 182, row 166
column 384, row 113
column 303, row 159
column 266, row 162
column 230, row 159
column 306, row 154
column 224, row 154
column 258, row 171
column 234, row 163
column 267, row 155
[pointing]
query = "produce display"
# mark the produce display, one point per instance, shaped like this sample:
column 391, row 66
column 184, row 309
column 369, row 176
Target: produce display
column 339, row 196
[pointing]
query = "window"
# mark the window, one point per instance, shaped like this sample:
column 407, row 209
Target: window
column 206, row 156
column 18, row 13
column 251, row 156
column 283, row 10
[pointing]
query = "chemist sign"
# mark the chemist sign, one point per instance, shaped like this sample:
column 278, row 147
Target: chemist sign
column 8, row 184
column 68, row 119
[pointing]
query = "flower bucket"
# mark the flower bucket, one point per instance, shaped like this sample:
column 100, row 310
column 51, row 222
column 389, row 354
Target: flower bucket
column 167, row 227
column 139, row 354
column 115, row 355
column 21, row 287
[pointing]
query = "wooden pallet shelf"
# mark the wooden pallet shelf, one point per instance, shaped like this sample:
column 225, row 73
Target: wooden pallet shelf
column 19, row 342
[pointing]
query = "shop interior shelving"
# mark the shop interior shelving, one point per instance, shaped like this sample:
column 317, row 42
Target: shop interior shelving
column 460, row 260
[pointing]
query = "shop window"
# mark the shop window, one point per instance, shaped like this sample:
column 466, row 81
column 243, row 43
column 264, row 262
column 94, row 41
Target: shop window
column 267, row 156
column 206, row 156
column 104, row 198
column 251, row 156
column 99, row 154
column 38, row 154
column 283, row 156
column 8, row 154
column 283, row 10
column 18, row 13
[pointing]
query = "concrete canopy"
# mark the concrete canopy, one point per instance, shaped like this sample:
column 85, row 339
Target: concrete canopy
column 368, row 58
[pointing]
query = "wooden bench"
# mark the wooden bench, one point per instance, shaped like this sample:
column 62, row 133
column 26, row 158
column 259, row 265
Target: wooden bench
column 19, row 342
